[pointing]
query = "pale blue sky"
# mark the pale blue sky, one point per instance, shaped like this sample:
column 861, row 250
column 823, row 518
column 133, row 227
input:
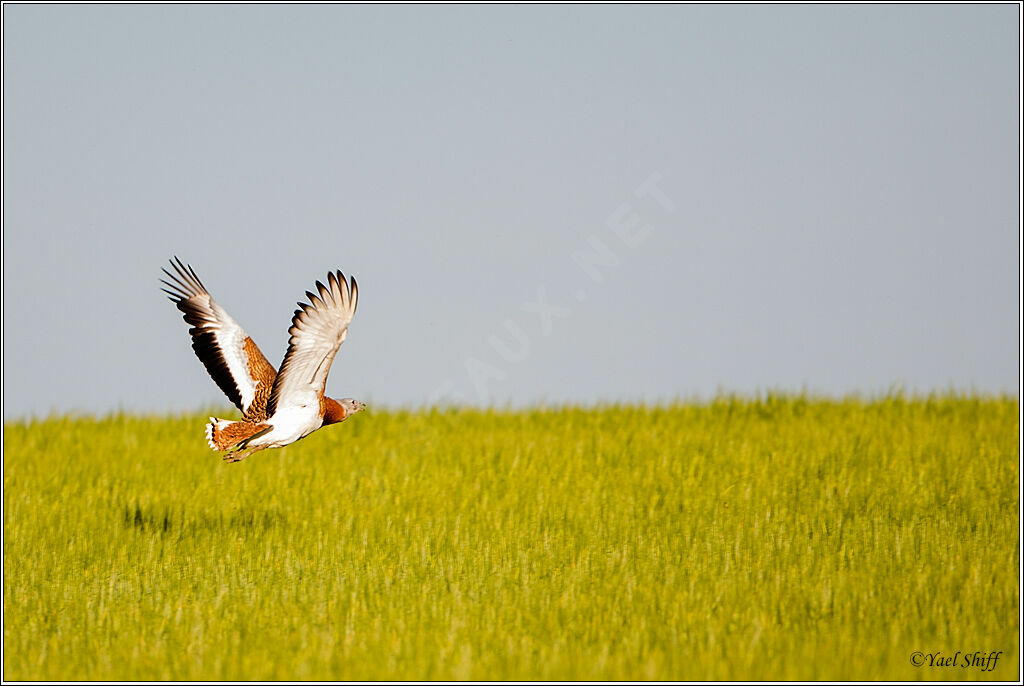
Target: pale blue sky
column 843, row 184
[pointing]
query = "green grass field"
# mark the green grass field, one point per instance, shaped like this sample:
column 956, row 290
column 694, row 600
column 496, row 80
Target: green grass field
column 779, row 538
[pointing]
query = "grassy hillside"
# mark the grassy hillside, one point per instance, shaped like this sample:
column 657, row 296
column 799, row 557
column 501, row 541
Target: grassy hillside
column 780, row 538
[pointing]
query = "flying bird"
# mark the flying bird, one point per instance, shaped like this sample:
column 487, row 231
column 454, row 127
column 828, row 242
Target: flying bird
column 279, row 406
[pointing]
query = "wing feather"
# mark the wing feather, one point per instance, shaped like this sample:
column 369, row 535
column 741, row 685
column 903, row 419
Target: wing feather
column 230, row 356
column 318, row 329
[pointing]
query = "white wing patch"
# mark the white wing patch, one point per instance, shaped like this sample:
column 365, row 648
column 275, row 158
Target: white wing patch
column 318, row 329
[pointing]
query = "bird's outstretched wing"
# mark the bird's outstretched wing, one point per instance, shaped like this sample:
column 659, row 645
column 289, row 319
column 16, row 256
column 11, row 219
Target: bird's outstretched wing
column 229, row 355
column 317, row 331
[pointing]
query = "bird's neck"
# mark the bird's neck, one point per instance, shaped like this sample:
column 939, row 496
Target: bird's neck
column 332, row 410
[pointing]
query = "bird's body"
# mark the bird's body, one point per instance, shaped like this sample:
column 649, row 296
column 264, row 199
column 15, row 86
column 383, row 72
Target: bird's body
column 281, row 406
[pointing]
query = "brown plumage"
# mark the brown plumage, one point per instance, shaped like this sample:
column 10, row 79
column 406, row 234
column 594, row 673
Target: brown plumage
column 264, row 374
column 233, row 434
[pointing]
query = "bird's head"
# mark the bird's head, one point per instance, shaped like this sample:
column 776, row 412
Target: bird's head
column 352, row 405
column 339, row 410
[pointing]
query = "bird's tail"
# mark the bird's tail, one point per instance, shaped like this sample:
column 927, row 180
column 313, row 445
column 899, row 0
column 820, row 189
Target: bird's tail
column 223, row 434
